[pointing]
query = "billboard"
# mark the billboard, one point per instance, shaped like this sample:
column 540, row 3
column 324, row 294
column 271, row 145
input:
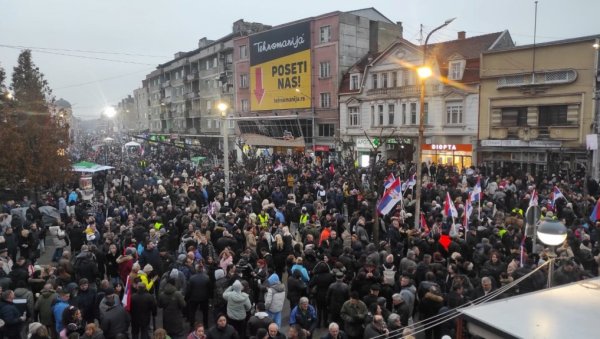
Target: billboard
column 280, row 68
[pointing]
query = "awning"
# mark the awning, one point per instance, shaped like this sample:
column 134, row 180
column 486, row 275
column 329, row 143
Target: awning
column 89, row 167
column 261, row 140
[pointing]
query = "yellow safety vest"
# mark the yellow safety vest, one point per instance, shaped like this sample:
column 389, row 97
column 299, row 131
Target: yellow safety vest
column 263, row 220
column 303, row 219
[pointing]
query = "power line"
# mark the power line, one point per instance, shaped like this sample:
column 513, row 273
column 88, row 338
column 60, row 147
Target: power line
column 81, row 56
column 85, row 51
column 104, row 79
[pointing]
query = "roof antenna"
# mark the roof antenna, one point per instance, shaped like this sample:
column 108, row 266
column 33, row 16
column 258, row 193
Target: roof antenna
column 421, row 35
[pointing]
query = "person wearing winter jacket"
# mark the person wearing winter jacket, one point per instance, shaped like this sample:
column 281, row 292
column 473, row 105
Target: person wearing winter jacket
column 354, row 312
column 143, row 308
column 300, row 267
column 198, row 293
column 275, row 298
column 43, row 306
column 116, row 320
column 222, row 330
column 304, row 315
column 173, row 305
column 13, row 319
column 238, row 304
column 260, row 319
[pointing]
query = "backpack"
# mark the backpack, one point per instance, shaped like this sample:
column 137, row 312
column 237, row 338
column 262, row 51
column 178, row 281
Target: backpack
column 389, row 275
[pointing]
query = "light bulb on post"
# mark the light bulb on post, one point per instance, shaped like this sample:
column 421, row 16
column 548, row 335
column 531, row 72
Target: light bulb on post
column 552, row 232
column 222, row 107
column 110, row 112
column 424, row 72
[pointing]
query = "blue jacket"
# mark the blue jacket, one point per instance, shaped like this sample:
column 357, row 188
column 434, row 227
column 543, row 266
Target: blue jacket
column 58, row 310
column 307, row 321
column 12, row 319
column 302, row 270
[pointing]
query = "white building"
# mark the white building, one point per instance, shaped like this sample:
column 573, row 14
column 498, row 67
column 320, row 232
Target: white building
column 379, row 101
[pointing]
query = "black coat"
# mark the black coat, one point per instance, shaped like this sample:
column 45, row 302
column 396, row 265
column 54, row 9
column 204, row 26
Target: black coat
column 12, row 321
column 173, row 305
column 199, row 288
column 296, row 290
column 115, row 321
column 143, row 307
column 337, row 294
column 86, row 302
column 222, row 333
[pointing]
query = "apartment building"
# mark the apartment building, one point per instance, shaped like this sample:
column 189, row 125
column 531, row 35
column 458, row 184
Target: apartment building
column 287, row 78
column 380, row 106
column 538, row 106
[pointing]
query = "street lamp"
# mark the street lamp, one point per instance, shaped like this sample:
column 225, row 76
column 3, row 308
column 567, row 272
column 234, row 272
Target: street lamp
column 109, row 112
column 222, row 107
column 424, row 72
column 552, row 233
column 312, row 134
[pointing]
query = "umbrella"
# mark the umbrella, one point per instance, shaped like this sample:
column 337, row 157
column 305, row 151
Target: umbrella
column 89, row 167
column 132, row 144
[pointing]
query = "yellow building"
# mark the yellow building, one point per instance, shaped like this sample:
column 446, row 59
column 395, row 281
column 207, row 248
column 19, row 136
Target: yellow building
column 538, row 106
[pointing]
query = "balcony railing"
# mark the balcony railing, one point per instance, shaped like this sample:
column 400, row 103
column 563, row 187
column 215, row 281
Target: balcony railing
column 404, row 90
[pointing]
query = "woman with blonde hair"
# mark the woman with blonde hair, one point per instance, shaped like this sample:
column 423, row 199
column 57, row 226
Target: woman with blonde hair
column 225, row 258
column 160, row 334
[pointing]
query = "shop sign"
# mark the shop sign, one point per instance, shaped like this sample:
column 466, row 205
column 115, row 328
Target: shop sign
column 448, row 147
column 521, row 143
column 363, row 143
column 321, row 148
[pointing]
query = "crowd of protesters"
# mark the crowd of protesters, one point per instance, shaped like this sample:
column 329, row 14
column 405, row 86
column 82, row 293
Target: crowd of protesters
column 291, row 235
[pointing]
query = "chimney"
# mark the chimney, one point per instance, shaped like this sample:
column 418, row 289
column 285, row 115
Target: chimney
column 462, row 35
column 400, row 28
column 202, row 42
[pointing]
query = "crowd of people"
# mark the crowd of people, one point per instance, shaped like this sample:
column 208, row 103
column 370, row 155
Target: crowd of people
column 290, row 236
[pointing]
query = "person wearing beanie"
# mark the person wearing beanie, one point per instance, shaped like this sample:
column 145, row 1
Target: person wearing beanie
column 238, row 303
column 43, row 305
column 221, row 284
column 143, row 275
column 173, row 304
column 275, row 298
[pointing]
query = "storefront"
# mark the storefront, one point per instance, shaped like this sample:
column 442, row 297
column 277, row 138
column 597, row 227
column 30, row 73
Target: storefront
column 459, row 155
column 364, row 150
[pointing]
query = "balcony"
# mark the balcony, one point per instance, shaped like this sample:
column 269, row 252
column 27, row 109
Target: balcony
column 527, row 133
column 165, row 84
column 191, row 95
column 411, row 90
column 192, row 76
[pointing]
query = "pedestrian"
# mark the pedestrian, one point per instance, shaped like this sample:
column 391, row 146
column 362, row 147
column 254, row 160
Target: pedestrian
column 9, row 313
column 334, row 332
column 143, row 310
column 199, row 289
column 115, row 321
column 273, row 332
column 173, row 304
column 222, row 330
column 275, row 298
column 58, row 308
column 43, row 306
column 86, row 301
column 92, row 332
column 305, row 315
column 259, row 320
column 198, row 332
column 354, row 313
column 238, row 304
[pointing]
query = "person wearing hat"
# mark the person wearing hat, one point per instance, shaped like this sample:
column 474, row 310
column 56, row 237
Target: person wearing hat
column 144, row 277
column 86, row 300
column 337, row 294
column 43, row 305
column 371, row 298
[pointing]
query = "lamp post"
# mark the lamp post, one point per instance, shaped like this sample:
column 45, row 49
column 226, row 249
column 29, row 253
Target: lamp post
column 552, row 233
column 224, row 130
column 312, row 134
column 424, row 72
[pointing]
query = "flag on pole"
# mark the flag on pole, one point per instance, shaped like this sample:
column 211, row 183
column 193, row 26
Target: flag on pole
column 522, row 255
column 595, row 216
column 127, row 296
column 476, row 195
column 412, row 181
column 533, row 201
column 278, row 166
column 556, row 194
column 390, row 198
column 389, row 181
column 449, row 208
column 467, row 213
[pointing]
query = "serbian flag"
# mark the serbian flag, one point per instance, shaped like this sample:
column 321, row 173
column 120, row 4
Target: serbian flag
column 278, row 166
column 533, row 201
column 423, row 227
column 390, row 198
column 556, row 194
column 389, row 181
column 127, row 296
column 476, row 195
column 449, row 209
column 596, row 212
column 410, row 183
column 331, row 169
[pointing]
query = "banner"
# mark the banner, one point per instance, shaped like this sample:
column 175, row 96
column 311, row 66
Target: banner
column 280, row 68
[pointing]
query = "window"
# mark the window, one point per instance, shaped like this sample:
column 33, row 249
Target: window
column 324, row 70
column 413, row 113
column 209, row 123
column 215, row 61
column 354, row 82
column 325, row 35
column 514, row 116
column 455, row 71
column 384, row 80
column 426, row 113
column 391, row 111
column 372, row 115
column 380, row 112
column 325, row 100
column 326, row 130
column 230, row 123
column 454, row 112
column 208, row 105
column 374, row 81
column 245, row 105
column 406, row 77
column 207, row 64
column 552, row 115
column 353, row 116
column 403, row 114
column 243, row 80
column 394, row 79
column 243, row 52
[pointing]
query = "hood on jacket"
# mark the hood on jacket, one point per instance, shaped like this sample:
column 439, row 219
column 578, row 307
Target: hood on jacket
column 219, row 274
column 237, row 286
column 261, row 315
column 169, row 289
column 47, row 293
column 273, row 279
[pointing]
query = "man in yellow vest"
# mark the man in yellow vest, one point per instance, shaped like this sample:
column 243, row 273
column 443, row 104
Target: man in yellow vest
column 303, row 218
column 263, row 219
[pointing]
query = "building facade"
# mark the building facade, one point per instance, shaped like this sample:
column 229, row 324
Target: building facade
column 538, row 105
column 287, row 78
column 380, row 101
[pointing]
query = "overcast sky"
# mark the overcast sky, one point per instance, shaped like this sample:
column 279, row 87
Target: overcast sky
column 136, row 35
